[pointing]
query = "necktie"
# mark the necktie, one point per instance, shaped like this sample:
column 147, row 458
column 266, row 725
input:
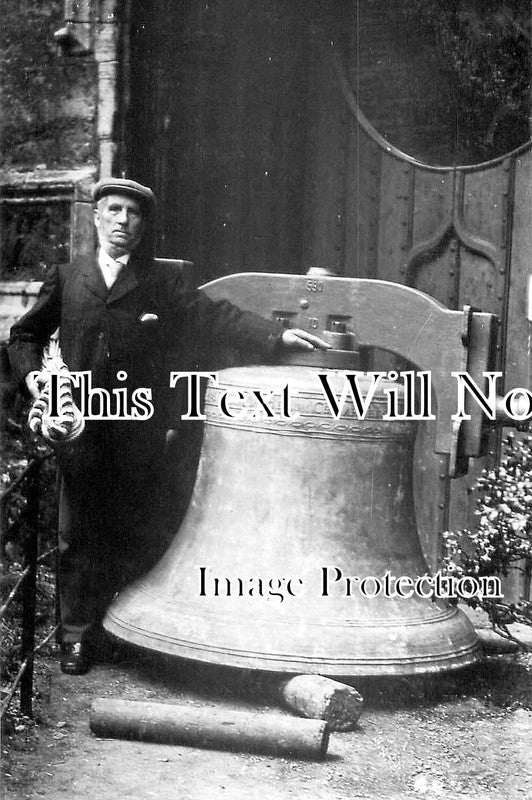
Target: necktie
column 111, row 272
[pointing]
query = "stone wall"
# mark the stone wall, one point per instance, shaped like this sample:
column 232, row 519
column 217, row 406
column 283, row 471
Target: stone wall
column 48, row 102
column 63, row 88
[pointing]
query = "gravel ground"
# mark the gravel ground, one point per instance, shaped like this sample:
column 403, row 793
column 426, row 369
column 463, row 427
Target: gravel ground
column 459, row 735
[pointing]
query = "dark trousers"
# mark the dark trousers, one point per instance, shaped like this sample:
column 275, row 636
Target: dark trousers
column 109, row 512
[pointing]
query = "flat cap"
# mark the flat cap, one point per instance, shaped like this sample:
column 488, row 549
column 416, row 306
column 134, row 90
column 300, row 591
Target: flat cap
column 124, row 186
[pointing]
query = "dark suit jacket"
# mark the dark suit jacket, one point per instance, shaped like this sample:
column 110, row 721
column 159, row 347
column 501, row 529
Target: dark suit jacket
column 101, row 331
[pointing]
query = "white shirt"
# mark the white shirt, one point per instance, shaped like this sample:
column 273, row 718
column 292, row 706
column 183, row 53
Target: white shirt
column 111, row 267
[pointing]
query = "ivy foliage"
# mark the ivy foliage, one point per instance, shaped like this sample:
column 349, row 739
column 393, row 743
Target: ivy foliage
column 484, row 46
column 47, row 104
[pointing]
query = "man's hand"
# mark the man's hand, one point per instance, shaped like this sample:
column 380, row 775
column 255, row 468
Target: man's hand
column 36, row 381
column 295, row 338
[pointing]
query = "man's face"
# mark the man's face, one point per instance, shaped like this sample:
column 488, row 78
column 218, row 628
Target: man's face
column 119, row 223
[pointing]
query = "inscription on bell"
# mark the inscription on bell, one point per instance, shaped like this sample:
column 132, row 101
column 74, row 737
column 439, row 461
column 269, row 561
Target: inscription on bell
column 352, row 395
column 254, row 404
column 407, row 401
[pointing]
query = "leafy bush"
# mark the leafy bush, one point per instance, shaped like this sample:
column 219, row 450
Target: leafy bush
column 503, row 540
column 19, row 449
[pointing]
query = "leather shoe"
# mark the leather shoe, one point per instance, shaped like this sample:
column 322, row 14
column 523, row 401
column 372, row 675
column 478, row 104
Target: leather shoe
column 75, row 658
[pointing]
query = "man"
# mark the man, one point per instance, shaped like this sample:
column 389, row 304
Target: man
column 118, row 313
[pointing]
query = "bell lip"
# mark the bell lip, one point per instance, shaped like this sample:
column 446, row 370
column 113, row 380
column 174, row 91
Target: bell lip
column 454, row 658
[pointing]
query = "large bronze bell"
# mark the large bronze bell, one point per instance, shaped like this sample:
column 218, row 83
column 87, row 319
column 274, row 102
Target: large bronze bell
column 311, row 500
column 290, row 514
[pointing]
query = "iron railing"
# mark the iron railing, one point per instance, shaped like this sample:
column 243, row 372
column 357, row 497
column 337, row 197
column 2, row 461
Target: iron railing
column 29, row 481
